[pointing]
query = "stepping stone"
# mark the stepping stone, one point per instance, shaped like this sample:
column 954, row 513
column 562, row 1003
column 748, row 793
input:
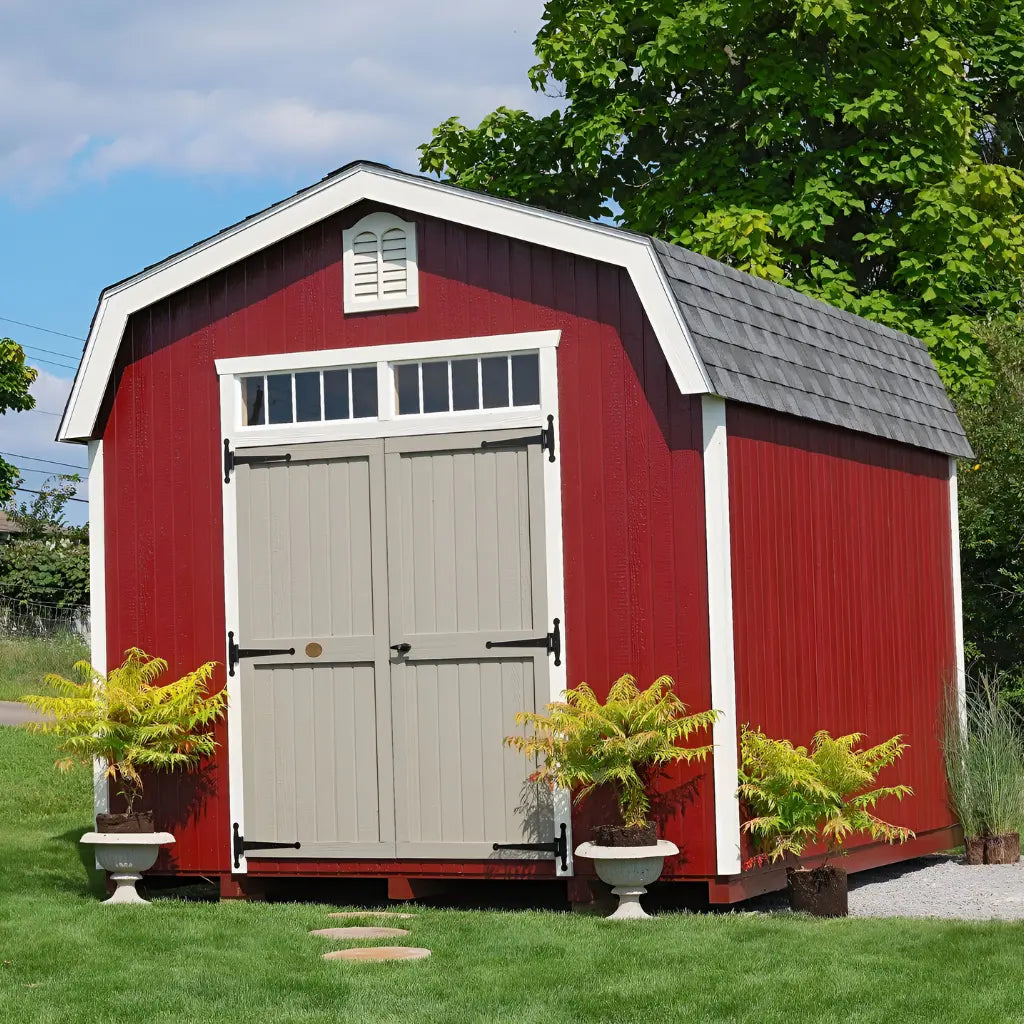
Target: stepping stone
column 370, row 913
column 370, row 953
column 359, row 933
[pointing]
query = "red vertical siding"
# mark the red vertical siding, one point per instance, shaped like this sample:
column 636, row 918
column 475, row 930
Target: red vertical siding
column 629, row 457
column 843, row 613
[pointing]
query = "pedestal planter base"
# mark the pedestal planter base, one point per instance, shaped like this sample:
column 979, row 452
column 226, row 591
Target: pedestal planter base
column 126, row 855
column 628, row 870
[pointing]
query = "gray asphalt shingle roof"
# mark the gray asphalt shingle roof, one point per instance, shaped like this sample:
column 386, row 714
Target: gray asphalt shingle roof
column 774, row 347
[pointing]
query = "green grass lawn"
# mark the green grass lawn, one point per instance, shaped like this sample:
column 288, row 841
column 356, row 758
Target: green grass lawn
column 23, row 663
column 64, row 958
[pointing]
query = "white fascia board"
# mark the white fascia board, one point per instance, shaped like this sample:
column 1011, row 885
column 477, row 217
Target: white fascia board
column 599, row 242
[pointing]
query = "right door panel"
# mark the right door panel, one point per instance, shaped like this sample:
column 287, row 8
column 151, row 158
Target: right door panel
column 466, row 565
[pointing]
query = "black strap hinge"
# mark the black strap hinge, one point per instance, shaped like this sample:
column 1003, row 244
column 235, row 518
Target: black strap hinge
column 559, row 846
column 231, row 460
column 236, row 653
column 551, row 642
column 546, row 439
column 239, row 844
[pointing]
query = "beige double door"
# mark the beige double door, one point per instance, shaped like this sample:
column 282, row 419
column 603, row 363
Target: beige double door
column 389, row 566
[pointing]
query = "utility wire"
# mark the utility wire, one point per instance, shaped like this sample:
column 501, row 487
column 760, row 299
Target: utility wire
column 28, row 490
column 39, row 359
column 44, row 472
column 45, row 330
column 49, row 351
column 36, row 458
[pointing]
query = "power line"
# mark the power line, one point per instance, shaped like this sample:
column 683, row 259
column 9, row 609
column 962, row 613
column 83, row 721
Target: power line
column 50, row 352
column 45, row 330
column 28, row 490
column 44, row 472
column 36, row 458
column 49, row 362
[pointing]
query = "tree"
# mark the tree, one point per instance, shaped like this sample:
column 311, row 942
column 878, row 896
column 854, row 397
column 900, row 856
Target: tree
column 991, row 492
column 15, row 380
column 43, row 514
column 866, row 152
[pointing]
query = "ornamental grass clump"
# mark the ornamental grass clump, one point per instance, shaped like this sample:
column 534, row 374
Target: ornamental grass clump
column 129, row 722
column 623, row 742
column 984, row 758
column 795, row 797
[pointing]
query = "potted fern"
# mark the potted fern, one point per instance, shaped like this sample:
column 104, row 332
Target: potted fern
column 130, row 724
column 795, row 798
column 624, row 743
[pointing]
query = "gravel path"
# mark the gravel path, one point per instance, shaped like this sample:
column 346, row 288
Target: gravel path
column 937, row 886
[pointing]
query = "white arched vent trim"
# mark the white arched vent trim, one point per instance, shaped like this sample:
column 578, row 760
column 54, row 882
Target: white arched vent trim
column 380, row 264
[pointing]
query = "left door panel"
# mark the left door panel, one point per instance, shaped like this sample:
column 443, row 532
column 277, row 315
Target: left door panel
column 317, row 759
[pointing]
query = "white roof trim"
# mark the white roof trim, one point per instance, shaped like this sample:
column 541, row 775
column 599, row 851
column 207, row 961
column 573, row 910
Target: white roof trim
column 391, row 188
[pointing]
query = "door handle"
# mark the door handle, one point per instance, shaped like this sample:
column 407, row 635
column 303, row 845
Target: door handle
column 401, row 648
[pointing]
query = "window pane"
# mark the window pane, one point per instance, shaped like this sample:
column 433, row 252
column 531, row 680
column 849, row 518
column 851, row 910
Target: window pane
column 307, row 397
column 494, row 375
column 435, row 387
column 279, row 398
column 525, row 380
column 252, row 396
column 336, row 394
column 364, row 391
column 465, row 392
column 407, row 384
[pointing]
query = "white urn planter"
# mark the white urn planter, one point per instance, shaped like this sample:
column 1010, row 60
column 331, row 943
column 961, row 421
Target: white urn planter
column 126, row 855
column 628, row 870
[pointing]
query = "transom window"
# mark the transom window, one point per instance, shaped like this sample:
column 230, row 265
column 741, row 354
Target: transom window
column 312, row 396
column 463, row 385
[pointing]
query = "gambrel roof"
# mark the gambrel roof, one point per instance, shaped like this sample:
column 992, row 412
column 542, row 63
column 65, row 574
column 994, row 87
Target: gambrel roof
column 723, row 332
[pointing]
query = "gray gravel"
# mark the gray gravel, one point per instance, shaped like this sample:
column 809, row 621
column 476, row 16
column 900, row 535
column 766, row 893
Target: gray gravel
column 936, row 886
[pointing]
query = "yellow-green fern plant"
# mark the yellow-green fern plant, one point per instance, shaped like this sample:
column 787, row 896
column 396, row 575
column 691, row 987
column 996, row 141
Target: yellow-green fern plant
column 129, row 721
column 794, row 797
column 583, row 743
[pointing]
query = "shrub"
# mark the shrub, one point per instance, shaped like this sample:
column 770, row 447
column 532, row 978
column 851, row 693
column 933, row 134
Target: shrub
column 623, row 743
column 795, row 797
column 130, row 722
column 985, row 761
column 52, row 571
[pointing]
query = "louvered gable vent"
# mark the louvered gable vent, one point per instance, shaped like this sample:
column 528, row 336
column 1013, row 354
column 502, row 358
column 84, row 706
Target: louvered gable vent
column 380, row 264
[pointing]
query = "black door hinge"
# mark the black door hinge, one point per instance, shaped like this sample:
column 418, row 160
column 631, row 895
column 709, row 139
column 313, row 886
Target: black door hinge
column 235, row 653
column 551, row 642
column 231, row 460
column 559, row 847
column 546, row 439
column 239, row 844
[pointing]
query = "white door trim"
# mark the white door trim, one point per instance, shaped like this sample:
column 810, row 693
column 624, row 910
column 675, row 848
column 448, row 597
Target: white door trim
column 720, row 635
column 238, row 436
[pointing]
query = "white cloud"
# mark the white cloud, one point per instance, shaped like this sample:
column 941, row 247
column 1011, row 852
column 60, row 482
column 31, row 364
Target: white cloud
column 234, row 87
column 32, row 433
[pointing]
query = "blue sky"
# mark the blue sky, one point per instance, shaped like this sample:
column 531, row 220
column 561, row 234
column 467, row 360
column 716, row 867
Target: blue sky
column 128, row 131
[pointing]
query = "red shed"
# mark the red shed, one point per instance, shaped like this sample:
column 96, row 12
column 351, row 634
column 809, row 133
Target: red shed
column 407, row 459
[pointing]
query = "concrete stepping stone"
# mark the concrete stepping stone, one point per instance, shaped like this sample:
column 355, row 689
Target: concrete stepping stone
column 359, row 933
column 373, row 953
column 370, row 913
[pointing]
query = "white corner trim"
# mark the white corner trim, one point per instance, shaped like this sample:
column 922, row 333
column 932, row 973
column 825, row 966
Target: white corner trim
column 97, row 603
column 377, row 224
column 444, row 348
column 958, row 604
column 599, row 242
column 720, row 634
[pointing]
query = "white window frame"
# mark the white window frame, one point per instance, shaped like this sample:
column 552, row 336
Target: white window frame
column 230, row 372
column 387, row 422
column 379, row 223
